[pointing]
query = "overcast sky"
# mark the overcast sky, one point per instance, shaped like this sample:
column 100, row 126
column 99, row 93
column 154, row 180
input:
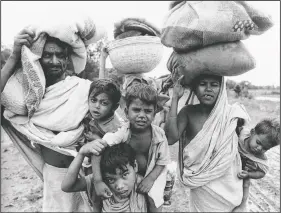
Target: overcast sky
column 265, row 48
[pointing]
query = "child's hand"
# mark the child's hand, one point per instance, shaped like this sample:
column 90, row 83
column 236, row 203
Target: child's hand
column 102, row 190
column 145, row 185
column 178, row 90
column 250, row 166
column 91, row 136
column 243, row 174
column 95, row 147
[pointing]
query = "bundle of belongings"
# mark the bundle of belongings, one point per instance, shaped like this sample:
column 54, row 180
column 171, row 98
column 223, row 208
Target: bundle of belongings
column 131, row 27
column 136, row 47
column 205, row 36
column 40, row 113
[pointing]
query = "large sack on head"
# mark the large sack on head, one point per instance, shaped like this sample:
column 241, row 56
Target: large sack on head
column 196, row 24
column 25, row 89
column 225, row 59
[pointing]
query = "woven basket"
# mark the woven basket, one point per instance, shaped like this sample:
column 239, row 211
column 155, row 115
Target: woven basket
column 138, row 54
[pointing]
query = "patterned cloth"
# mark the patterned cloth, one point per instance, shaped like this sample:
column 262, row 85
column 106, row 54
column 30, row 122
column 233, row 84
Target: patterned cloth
column 196, row 24
column 135, row 203
column 261, row 164
column 158, row 154
column 51, row 125
column 54, row 199
column 31, row 87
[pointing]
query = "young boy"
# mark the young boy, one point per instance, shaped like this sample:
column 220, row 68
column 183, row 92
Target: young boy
column 149, row 142
column 252, row 147
column 103, row 100
column 119, row 172
column 208, row 159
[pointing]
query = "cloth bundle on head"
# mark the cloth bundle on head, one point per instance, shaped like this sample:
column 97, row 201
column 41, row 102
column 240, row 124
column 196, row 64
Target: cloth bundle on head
column 206, row 37
column 129, row 27
column 195, row 24
column 226, row 59
column 29, row 80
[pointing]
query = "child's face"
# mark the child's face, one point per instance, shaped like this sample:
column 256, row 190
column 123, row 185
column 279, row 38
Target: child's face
column 100, row 106
column 207, row 90
column 258, row 143
column 122, row 183
column 140, row 114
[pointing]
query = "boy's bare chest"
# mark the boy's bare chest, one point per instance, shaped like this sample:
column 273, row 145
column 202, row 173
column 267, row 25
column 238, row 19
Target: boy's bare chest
column 141, row 145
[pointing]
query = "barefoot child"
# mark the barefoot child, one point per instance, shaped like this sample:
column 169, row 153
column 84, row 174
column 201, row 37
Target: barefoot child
column 119, row 172
column 208, row 155
column 149, row 142
column 252, row 147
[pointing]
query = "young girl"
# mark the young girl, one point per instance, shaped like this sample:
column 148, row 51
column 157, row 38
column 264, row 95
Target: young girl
column 208, row 157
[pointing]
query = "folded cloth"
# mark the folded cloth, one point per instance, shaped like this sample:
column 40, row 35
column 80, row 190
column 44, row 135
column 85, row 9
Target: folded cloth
column 135, row 24
column 29, row 81
column 195, row 24
column 67, row 97
column 210, row 162
column 56, row 200
column 225, row 59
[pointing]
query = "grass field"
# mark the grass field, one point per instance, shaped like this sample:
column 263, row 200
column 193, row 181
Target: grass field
column 21, row 189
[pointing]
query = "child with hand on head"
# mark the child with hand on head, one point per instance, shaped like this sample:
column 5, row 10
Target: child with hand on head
column 253, row 144
column 119, row 172
column 208, row 160
column 148, row 141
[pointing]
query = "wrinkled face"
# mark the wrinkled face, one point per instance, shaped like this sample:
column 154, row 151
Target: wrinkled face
column 100, row 106
column 207, row 90
column 122, row 183
column 53, row 60
column 258, row 143
column 140, row 114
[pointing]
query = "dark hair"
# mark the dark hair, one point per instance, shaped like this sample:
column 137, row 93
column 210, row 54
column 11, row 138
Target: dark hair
column 270, row 128
column 143, row 92
column 117, row 156
column 107, row 86
column 196, row 80
column 65, row 46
